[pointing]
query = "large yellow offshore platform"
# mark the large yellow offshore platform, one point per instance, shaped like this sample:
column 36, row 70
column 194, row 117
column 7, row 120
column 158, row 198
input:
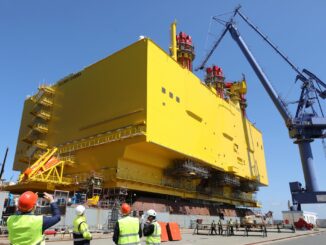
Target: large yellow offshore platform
column 143, row 122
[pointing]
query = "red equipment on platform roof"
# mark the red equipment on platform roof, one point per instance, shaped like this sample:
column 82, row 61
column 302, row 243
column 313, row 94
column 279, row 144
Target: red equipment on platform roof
column 215, row 77
column 185, row 52
column 215, row 71
column 184, row 38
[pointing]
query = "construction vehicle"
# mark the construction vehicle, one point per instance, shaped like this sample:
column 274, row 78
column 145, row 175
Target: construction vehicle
column 305, row 126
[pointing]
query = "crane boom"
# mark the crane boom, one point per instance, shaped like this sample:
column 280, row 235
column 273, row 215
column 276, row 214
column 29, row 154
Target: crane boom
column 305, row 126
column 3, row 163
column 278, row 102
column 246, row 19
column 202, row 65
column 304, row 145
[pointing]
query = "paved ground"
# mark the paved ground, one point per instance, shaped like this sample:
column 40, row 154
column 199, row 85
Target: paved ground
column 298, row 238
column 314, row 239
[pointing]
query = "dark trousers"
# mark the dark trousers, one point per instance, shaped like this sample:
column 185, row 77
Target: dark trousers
column 230, row 230
column 82, row 241
column 220, row 230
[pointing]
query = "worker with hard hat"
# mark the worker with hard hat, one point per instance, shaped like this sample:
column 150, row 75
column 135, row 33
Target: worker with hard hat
column 81, row 234
column 152, row 229
column 127, row 230
column 24, row 227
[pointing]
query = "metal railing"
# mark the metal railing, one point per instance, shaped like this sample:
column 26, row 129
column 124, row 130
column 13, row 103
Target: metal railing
column 105, row 138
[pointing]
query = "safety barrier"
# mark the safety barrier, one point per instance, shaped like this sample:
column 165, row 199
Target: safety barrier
column 164, row 232
column 173, row 231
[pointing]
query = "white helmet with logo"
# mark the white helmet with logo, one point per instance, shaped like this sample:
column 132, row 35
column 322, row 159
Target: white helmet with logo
column 151, row 212
column 80, row 209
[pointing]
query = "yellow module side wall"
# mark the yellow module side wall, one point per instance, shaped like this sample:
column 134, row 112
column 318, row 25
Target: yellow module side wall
column 107, row 95
column 256, row 152
column 21, row 148
column 186, row 116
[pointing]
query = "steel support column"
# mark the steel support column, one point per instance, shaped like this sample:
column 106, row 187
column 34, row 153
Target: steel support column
column 307, row 161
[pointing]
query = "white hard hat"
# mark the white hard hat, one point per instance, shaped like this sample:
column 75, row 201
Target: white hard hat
column 151, row 212
column 80, row 209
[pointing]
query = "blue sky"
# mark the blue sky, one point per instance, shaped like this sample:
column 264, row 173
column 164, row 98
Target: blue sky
column 43, row 41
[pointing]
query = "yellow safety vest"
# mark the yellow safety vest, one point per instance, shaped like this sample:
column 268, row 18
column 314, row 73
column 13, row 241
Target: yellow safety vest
column 25, row 230
column 129, row 231
column 80, row 231
column 155, row 237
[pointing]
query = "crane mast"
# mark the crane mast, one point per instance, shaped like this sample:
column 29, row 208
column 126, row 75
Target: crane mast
column 305, row 126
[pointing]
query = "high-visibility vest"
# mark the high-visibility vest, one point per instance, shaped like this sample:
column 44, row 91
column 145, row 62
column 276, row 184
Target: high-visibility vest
column 80, row 230
column 25, row 229
column 155, row 237
column 129, row 231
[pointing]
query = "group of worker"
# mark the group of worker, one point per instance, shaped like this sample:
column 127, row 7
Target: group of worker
column 26, row 228
column 128, row 230
column 229, row 227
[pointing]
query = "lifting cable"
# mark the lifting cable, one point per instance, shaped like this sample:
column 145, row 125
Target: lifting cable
column 265, row 37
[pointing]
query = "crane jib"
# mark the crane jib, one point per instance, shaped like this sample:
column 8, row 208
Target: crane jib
column 305, row 126
column 280, row 105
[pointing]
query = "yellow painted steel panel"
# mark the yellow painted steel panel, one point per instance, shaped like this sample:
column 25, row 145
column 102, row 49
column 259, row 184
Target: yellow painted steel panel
column 107, row 95
column 186, row 116
column 22, row 147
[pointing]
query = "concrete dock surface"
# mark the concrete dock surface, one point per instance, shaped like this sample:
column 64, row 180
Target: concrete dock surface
column 313, row 237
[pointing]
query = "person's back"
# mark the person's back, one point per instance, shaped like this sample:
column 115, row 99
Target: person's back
column 127, row 230
column 230, row 224
column 81, row 234
column 213, row 227
column 152, row 229
column 25, row 228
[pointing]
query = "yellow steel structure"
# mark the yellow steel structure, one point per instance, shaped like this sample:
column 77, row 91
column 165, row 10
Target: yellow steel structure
column 47, row 169
column 173, row 47
column 129, row 116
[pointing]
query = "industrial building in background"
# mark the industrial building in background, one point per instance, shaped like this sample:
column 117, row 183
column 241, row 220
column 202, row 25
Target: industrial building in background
column 140, row 125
